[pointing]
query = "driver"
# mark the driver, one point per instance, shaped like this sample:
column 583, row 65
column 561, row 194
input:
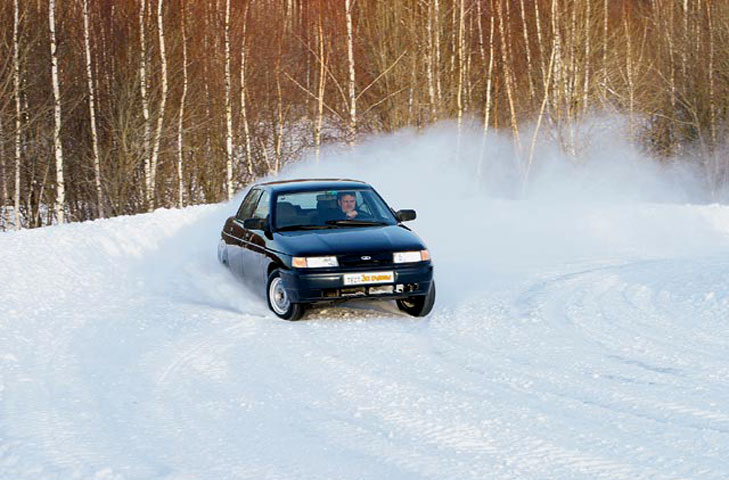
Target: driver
column 347, row 202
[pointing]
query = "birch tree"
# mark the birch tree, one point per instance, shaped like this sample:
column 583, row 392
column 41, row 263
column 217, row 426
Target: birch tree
column 92, row 111
column 228, row 109
column 183, row 98
column 162, row 103
column 145, row 106
column 3, row 178
column 508, row 79
column 323, row 62
column 18, row 122
column 243, row 96
column 57, row 147
column 352, row 129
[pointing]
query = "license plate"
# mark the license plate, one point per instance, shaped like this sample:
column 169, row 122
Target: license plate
column 368, row 278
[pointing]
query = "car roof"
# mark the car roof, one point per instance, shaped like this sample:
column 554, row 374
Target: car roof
column 303, row 185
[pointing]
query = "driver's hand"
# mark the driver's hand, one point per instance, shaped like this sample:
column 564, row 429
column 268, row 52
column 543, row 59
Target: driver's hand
column 352, row 214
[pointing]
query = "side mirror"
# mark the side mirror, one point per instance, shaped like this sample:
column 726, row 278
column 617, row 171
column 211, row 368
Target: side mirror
column 405, row 215
column 255, row 224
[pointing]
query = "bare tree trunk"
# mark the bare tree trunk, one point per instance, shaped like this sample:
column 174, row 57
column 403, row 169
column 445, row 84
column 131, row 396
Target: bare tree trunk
column 715, row 173
column 243, row 104
column 586, row 84
column 430, row 63
column 606, row 12
column 545, row 99
column 352, row 131
column 18, row 123
column 460, row 48
column 162, row 103
column 540, row 38
column 436, row 41
column 489, row 78
column 3, row 180
column 629, row 73
column 280, row 122
column 145, row 106
column 92, row 112
column 320, row 91
column 180, row 187
column 57, row 147
column 228, row 109
column 508, row 78
column 527, row 49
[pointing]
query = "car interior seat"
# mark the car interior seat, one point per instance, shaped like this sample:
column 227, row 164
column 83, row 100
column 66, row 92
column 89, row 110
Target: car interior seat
column 286, row 214
column 326, row 207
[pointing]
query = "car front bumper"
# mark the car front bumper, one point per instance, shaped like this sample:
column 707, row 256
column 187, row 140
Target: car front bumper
column 307, row 286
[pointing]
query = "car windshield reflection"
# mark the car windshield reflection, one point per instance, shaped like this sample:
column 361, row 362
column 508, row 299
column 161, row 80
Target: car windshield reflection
column 322, row 209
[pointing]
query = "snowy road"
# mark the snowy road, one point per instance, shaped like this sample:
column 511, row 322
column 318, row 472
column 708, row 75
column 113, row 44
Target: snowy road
column 127, row 352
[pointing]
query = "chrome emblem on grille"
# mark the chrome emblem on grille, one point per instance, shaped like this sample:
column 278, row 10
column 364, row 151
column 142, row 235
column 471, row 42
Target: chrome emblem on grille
column 366, row 257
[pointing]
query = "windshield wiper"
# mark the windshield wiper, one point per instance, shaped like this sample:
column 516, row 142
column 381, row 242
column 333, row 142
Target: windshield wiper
column 354, row 222
column 288, row 228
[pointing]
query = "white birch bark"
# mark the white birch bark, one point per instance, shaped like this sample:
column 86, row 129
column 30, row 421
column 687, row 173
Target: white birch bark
column 436, row 41
column 586, row 83
column 558, row 79
column 352, row 129
column 92, row 111
column 508, row 78
column 162, row 104
column 228, row 109
column 145, row 106
column 57, row 147
column 180, row 120
column 489, row 77
column 606, row 12
column 527, row 50
column 429, row 62
column 540, row 39
column 3, row 180
column 685, row 42
column 629, row 72
column 460, row 53
column 320, row 91
column 243, row 99
column 18, row 123
column 715, row 173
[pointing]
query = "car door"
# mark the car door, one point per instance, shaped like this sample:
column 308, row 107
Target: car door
column 254, row 251
column 237, row 234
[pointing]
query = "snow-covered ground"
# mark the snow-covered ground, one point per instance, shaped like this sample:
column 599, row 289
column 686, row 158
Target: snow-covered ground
column 581, row 331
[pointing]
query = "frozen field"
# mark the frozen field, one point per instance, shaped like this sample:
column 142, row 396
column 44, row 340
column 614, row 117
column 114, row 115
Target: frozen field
column 569, row 340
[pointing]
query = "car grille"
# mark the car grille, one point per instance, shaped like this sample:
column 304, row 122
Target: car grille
column 365, row 259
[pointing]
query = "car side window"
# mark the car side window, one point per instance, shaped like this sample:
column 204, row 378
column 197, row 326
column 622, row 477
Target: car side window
column 246, row 207
column 263, row 207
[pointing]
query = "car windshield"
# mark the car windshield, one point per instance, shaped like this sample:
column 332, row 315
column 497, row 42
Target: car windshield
column 322, row 209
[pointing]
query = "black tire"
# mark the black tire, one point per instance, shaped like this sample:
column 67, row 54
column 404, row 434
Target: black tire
column 418, row 306
column 278, row 300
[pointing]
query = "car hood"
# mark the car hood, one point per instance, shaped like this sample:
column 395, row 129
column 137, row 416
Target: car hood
column 390, row 238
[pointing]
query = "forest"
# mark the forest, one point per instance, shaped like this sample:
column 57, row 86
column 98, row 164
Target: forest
column 116, row 107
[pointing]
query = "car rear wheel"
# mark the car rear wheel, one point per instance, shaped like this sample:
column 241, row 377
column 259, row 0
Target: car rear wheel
column 279, row 301
column 418, row 306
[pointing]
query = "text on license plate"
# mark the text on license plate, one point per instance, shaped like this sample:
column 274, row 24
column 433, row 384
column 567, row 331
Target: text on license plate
column 370, row 277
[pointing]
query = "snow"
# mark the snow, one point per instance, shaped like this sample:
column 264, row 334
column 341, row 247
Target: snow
column 575, row 336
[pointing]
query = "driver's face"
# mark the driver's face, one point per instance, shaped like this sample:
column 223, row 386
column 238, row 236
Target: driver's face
column 347, row 203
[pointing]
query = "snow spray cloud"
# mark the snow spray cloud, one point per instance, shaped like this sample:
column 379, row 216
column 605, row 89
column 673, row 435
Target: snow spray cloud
column 605, row 201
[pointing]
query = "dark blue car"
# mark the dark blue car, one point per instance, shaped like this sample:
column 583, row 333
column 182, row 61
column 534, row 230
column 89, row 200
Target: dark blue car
column 312, row 241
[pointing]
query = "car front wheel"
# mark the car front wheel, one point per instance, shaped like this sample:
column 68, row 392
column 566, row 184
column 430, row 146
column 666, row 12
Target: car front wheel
column 418, row 306
column 279, row 301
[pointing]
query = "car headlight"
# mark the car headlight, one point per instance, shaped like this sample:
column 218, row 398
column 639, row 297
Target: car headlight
column 410, row 257
column 314, row 262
